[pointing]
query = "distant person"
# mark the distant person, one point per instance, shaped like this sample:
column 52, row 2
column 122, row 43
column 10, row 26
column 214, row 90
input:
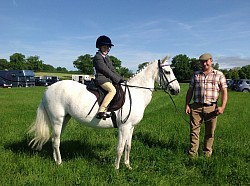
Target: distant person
column 204, row 88
column 105, row 74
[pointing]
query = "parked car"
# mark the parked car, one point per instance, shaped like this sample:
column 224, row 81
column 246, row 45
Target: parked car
column 3, row 84
column 229, row 82
column 243, row 85
column 233, row 85
column 41, row 82
column 45, row 80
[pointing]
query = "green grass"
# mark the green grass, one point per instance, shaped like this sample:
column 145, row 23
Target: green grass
column 159, row 146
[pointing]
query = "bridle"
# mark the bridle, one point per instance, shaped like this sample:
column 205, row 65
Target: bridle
column 164, row 85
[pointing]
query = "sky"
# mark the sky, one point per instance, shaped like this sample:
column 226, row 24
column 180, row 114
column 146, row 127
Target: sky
column 59, row 31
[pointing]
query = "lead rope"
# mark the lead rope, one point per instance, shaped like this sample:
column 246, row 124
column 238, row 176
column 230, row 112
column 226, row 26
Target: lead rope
column 178, row 112
column 176, row 109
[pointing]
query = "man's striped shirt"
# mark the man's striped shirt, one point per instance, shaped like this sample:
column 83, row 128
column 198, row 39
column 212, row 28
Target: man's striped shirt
column 207, row 87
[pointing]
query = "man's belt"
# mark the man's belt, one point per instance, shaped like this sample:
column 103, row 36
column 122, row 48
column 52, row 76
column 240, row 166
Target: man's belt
column 206, row 104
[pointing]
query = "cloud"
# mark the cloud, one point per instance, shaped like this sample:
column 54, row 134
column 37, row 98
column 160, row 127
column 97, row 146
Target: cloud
column 231, row 62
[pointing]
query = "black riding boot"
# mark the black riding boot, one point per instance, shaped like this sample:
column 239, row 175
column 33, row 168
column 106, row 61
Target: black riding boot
column 101, row 115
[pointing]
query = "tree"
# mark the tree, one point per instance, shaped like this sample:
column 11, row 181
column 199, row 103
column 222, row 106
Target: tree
column 215, row 66
column 17, row 61
column 244, row 72
column 33, row 63
column 234, row 73
column 61, row 69
column 141, row 66
column 48, row 68
column 84, row 64
column 125, row 72
column 116, row 63
column 195, row 64
column 182, row 67
column 226, row 73
column 4, row 64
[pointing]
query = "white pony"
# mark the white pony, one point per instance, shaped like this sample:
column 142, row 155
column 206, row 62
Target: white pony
column 66, row 99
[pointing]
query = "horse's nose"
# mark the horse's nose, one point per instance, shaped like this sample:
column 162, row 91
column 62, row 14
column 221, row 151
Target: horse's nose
column 175, row 91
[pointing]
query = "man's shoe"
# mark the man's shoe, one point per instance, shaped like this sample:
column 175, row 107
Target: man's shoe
column 192, row 156
column 207, row 155
column 101, row 115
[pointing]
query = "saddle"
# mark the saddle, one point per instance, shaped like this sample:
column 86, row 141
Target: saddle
column 116, row 103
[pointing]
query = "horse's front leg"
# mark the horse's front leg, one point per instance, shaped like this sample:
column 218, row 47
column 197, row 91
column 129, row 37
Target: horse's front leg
column 119, row 149
column 128, row 148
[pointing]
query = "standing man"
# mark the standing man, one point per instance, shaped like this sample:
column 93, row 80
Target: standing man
column 204, row 88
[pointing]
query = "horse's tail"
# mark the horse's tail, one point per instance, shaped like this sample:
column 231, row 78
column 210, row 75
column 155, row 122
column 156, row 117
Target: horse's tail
column 40, row 128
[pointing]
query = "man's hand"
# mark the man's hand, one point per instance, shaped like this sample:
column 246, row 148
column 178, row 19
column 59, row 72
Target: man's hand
column 187, row 109
column 219, row 110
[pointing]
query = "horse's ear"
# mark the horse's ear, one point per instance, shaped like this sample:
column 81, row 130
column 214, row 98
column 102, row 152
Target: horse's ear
column 165, row 59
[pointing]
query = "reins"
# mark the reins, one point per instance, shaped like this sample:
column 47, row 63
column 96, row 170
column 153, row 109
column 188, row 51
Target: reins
column 155, row 88
column 164, row 84
column 176, row 109
column 164, row 87
column 130, row 105
column 130, row 98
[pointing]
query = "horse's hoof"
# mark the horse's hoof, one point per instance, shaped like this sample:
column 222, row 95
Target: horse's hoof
column 59, row 162
column 129, row 167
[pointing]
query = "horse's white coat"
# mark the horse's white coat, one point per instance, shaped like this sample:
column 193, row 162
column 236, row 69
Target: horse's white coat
column 67, row 99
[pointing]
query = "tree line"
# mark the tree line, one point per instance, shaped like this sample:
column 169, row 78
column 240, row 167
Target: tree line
column 182, row 66
column 18, row 61
column 84, row 63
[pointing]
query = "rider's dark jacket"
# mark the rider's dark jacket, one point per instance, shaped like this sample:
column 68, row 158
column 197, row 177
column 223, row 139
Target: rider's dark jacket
column 104, row 70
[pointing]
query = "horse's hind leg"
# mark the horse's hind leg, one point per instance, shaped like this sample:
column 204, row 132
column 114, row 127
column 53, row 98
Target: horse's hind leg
column 57, row 128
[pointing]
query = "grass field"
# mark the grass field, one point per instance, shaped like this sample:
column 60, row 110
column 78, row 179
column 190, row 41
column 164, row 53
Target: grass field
column 159, row 146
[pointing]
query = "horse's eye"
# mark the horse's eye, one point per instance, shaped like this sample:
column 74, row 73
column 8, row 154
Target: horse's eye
column 167, row 72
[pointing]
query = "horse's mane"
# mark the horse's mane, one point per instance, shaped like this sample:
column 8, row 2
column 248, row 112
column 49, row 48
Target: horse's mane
column 148, row 64
column 139, row 71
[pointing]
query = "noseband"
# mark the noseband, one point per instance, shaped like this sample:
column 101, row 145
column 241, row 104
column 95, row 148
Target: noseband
column 164, row 83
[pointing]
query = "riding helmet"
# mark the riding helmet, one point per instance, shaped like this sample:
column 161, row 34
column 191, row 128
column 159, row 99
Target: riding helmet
column 103, row 40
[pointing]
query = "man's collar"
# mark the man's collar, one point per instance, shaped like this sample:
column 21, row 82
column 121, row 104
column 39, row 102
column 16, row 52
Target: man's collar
column 102, row 54
column 202, row 72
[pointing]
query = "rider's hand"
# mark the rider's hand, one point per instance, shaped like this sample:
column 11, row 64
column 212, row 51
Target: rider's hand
column 122, row 81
